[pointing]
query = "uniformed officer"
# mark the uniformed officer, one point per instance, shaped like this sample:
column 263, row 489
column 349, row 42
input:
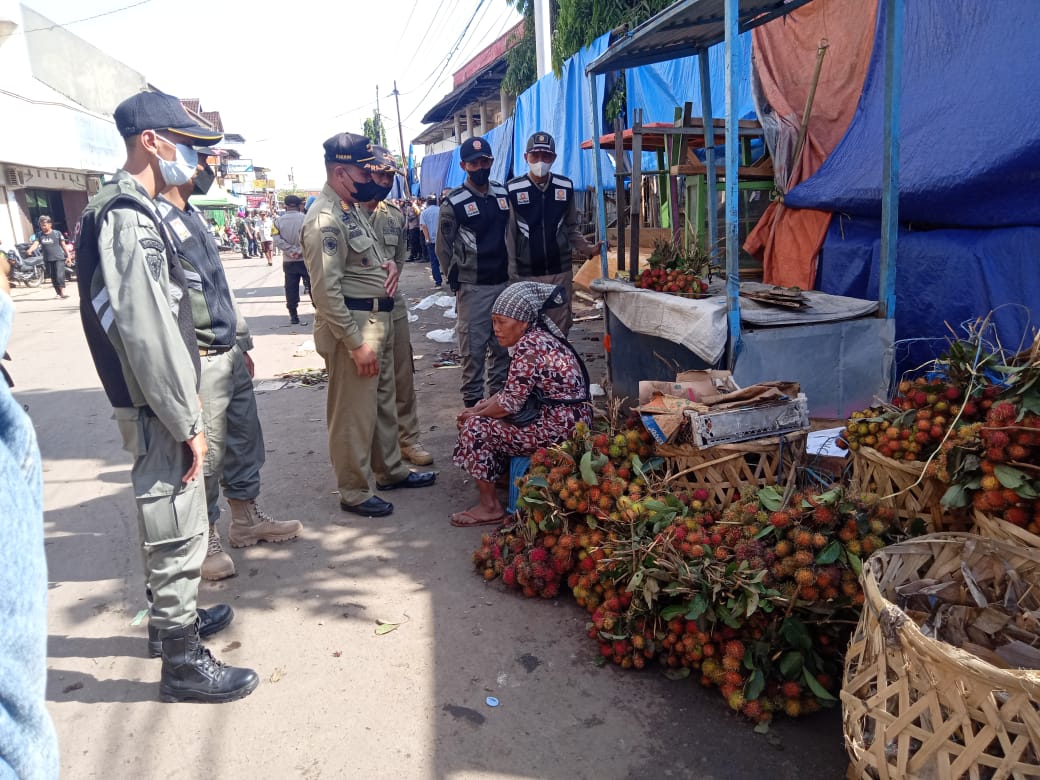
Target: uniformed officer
column 236, row 441
column 543, row 229
column 353, row 285
column 137, row 319
column 390, row 226
column 471, row 248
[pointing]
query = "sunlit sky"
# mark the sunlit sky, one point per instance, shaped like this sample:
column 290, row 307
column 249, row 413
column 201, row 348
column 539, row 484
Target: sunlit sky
column 289, row 75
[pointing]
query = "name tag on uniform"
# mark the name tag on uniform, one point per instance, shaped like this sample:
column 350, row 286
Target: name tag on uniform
column 561, row 194
column 523, row 198
column 180, row 229
column 503, row 204
column 471, row 209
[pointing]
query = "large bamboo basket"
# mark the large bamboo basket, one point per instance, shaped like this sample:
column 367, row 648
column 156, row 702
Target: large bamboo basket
column 724, row 469
column 900, row 486
column 917, row 707
column 997, row 528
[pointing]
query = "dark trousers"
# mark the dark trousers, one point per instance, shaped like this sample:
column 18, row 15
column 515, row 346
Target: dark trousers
column 56, row 268
column 295, row 272
column 243, row 245
column 254, row 248
column 435, row 267
column 415, row 244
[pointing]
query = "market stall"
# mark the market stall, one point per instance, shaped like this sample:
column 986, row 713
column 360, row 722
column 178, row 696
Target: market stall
column 765, row 350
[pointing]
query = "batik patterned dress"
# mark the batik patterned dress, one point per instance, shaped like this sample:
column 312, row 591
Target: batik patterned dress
column 539, row 360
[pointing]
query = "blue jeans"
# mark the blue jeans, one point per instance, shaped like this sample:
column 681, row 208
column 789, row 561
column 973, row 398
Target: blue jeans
column 28, row 745
column 435, row 267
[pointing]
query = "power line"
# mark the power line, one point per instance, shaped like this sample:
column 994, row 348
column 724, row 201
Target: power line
column 411, row 13
column 445, row 15
column 84, row 19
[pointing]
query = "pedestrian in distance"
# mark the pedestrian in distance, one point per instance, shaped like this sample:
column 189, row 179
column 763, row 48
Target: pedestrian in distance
column 264, row 236
column 55, row 253
column 354, row 285
column 137, row 318
column 471, row 249
column 232, row 424
column 389, row 224
column 288, row 232
column 411, row 222
column 543, row 232
column 428, row 225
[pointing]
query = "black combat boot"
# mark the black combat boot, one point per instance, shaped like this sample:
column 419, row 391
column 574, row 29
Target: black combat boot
column 211, row 620
column 191, row 673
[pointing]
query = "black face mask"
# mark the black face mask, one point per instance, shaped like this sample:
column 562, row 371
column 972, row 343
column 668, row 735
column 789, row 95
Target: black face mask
column 480, row 176
column 203, row 181
column 366, row 191
column 382, row 192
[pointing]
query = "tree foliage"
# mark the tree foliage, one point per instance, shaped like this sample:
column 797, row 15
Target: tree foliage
column 373, row 129
column 575, row 24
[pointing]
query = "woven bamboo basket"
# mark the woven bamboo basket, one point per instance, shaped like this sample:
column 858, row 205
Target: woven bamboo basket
column 899, row 484
column 997, row 528
column 916, row 707
column 724, row 469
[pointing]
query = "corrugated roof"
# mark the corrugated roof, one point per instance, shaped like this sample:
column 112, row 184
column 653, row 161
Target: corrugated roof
column 683, row 29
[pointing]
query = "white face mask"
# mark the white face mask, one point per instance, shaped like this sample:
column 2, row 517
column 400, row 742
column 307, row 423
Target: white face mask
column 179, row 171
column 540, row 169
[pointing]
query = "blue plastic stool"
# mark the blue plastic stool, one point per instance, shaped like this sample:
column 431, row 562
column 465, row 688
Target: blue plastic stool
column 518, row 466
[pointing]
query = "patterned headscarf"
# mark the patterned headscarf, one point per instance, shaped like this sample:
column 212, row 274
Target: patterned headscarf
column 527, row 302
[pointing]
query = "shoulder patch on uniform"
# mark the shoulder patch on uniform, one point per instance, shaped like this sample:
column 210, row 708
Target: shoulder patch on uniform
column 459, row 197
column 561, row 194
column 329, row 241
column 497, row 189
column 562, row 181
column 154, row 249
column 523, row 198
column 472, row 209
column 519, row 184
column 503, row 204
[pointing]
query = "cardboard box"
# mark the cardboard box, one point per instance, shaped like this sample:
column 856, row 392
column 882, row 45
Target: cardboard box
column 663, row 404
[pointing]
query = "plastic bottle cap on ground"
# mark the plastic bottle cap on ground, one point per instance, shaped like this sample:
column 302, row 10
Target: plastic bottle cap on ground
column 491, row 701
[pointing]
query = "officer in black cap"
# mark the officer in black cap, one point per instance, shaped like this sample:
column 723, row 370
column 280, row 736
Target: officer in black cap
column 353, row 284
column 147, row 357
column 543, row 229
column 471, row 248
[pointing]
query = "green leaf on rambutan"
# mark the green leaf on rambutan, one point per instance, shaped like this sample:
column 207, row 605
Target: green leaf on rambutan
column 1009, row 476
column 814, row 685
column 791, row 664
column 769, row 529
column 771, row 498
column 537, row 482
column 674, row 611
column 954, row 497
column 830, row 553
column 676, row 674
column 755, row 685
column 697, row 607
column 855, row 564
column 795, row 634
column 588, row 474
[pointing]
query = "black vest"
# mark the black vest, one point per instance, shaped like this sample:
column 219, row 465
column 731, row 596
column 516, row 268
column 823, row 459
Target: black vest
column 480, row 240
column 88, row 262
column 542, row 244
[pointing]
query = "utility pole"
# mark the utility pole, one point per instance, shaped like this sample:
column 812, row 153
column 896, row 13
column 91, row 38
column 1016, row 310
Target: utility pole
column 542, row 36
column 400, row 135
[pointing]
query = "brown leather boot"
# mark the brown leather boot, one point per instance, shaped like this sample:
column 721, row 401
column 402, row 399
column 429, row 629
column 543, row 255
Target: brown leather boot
column 250, row 524
column 416, row 454
column 218, row 564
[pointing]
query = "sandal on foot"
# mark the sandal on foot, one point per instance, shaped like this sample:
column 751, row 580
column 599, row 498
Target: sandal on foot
column 466, row 520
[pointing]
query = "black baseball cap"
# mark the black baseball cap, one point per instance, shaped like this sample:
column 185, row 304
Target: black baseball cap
column 348, row 149
column 541, row 142
column 382, row 161
column 475, row 148
column 159, row 111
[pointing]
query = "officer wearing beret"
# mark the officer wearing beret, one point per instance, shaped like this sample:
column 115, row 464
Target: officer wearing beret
column 543, row 226
column 391, row 229
column 137, row 319
column 353, row 284
column 471, row 248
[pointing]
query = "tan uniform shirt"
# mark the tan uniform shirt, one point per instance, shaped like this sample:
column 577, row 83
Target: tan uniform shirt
column 389, row 224
column 344, row 260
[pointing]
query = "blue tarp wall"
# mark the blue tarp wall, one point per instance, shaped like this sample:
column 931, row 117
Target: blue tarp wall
column 561, row 107
column 433, row 169
column 970, row 168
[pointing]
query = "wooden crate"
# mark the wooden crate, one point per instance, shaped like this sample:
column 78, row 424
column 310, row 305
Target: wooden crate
column 915, row 707
column 724, row 469
column 899, row 484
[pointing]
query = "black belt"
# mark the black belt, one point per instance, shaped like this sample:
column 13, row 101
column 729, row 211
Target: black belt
column 369, row 304
column 212, row 352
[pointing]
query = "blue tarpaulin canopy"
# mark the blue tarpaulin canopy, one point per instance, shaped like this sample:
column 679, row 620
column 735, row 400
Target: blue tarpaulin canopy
column 433, row 172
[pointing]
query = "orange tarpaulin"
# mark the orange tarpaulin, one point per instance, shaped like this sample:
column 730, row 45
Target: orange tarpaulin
column 784, row 57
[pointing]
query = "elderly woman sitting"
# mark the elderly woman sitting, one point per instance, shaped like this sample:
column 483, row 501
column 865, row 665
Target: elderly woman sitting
column 545, row 395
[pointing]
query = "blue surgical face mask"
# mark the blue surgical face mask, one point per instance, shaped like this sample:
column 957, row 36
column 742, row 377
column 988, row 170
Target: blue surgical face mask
column 182, row 169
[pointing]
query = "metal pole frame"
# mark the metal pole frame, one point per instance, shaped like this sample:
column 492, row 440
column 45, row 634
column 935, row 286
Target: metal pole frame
column 601, row 202
column 890, row 164
column 732, row 19
column 709, row 155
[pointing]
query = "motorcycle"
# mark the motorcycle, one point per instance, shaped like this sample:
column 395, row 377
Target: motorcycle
column 25, row 268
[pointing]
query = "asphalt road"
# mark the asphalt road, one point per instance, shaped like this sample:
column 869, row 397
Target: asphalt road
column 336, row 699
